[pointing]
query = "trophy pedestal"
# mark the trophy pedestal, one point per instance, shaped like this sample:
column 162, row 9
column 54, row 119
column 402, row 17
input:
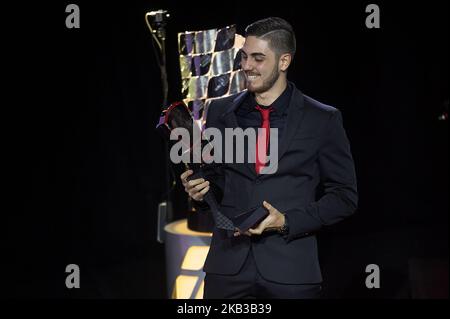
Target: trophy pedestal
column 200, row 221
column 186, row 252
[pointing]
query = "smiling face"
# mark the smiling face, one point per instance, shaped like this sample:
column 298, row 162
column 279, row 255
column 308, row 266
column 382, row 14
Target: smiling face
column 260, row 63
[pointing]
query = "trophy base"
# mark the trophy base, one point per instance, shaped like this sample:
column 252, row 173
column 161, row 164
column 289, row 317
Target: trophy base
column 200, row 221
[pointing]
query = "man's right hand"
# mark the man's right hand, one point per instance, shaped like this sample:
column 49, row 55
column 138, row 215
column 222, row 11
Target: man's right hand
column 196, row 188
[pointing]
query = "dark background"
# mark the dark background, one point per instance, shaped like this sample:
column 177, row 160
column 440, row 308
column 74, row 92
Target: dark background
column 89, row 166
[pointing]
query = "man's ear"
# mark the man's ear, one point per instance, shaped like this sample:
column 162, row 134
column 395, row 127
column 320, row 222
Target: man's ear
column 285, row 61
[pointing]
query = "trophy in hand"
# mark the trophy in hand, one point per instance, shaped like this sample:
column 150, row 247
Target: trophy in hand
column 176, row 116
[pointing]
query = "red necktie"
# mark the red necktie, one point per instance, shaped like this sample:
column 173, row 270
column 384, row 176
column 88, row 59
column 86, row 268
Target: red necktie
column 261, row 161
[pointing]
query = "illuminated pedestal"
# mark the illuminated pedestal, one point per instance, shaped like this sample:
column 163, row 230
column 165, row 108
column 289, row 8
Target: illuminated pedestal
column 186, row 252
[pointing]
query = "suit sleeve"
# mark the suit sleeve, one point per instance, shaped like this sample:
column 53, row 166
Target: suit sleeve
column 338, row 178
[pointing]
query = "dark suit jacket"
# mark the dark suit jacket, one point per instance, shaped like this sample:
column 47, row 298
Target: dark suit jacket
column 314, row 152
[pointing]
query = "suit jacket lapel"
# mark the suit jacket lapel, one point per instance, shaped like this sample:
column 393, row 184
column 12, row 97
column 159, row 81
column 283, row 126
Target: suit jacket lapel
column 294, row 119
column 230, row 120
column 229, row 117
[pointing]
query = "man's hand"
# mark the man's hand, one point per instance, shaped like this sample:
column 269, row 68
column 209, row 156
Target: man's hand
column 273, row 221
column 196, row 188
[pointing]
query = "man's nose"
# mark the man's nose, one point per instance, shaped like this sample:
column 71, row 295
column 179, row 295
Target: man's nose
column 246, row 65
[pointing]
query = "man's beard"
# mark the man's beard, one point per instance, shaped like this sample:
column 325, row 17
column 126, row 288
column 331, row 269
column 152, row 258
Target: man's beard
column 268, row 83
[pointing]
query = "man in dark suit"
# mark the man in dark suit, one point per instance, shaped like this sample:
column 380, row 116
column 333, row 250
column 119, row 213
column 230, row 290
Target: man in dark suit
column 278, row 257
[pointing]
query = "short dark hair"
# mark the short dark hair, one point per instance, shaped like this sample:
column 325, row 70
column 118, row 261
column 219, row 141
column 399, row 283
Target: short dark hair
column 277, row 31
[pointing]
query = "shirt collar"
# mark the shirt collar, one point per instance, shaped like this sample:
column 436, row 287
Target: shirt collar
column 280, row 105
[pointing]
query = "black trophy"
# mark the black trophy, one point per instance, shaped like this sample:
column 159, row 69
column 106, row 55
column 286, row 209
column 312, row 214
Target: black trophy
column 178, row 115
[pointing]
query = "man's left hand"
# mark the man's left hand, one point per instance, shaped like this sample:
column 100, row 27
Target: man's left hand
column 275, row 220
